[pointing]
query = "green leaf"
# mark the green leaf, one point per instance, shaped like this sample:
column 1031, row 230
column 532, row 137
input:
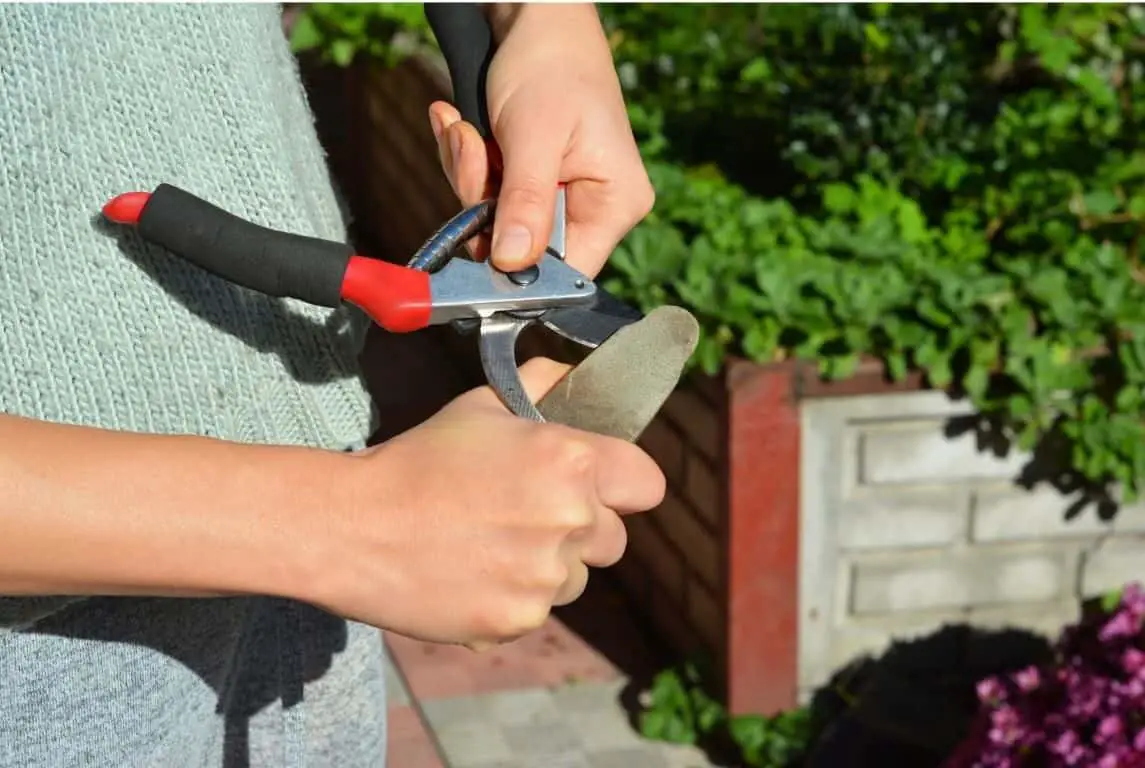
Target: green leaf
column 756, row 71
column 1111, row 600
column 305, row 34
column 342, row 52
column 838, row 198
column 1101, row 202
column 896, row 365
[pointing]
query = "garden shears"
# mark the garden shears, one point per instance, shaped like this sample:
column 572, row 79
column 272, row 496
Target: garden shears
column 434, row 288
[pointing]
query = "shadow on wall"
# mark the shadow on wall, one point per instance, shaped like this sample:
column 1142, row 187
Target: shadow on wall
column 910, row 707
column 1049, row 463
column 913, row 705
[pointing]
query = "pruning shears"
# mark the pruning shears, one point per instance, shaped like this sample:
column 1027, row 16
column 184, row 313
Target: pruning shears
column 435, row 286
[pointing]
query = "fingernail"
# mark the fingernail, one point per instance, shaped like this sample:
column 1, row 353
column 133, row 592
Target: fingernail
column 435, row 124
column 512, row 246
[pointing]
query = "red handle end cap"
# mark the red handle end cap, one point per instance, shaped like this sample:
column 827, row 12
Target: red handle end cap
column 126, row 208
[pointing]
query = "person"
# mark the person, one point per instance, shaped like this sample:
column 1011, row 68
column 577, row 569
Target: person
column 196, row 549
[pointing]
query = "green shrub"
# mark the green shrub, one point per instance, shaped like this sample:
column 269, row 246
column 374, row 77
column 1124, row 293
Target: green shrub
column 340, row 32
column 951, row 188
column 679, row 710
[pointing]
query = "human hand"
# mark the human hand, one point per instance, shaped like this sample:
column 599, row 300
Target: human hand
column 470, row 527
column 557, row 115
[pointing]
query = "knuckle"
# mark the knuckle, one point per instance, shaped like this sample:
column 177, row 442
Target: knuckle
column 568, row 454
column 528, row 616
column 551, row 577
column 643, row 199
column 615, row 547
column 575, row 517
column 509, row 619
column 608, row 544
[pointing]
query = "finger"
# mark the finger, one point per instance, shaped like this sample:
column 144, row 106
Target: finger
column 532, row 154
column 575, row 584
column 627, row 478
column 604, row 544
column 470, row 171
column 441, row 116
column 464, row 158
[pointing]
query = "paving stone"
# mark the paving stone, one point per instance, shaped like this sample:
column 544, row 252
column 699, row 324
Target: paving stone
column 574, row 726
column 542, row 739
column 459, row 709
column 634, row 757
column 471, row 743
column 520, row 707
column 396, row 694
column 588, row 697
column 683, row 756
column 565, row 760
column 606, row 729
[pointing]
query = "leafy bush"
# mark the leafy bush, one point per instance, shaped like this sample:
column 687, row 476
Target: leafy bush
column 948, row 188
column 1087, row 709
column 679, row 710
column 340, row 32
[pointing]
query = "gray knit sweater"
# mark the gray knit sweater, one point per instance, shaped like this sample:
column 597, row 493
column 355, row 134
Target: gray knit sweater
column 97, row 329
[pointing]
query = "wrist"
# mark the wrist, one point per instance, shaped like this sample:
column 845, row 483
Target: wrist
column 295, row 544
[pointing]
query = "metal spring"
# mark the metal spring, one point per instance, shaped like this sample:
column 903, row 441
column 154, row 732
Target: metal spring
column 441, row 246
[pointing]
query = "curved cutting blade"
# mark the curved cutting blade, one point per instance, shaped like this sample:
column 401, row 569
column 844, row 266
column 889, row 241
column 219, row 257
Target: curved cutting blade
column 591, row 325
column 498, row 345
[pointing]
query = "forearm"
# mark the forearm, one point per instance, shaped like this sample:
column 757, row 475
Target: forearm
column 87, row 511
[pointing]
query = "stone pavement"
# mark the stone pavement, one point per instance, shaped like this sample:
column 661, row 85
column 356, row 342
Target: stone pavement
column 550, row 700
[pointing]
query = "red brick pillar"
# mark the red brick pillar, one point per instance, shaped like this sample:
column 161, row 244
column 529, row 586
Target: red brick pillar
column 763, row 538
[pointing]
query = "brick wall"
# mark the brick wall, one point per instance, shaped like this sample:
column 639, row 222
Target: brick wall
column 676, row 562
column 905, row 528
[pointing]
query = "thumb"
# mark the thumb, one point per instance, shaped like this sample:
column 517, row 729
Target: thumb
column 532, row 163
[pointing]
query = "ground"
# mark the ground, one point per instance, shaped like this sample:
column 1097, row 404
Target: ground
column 561, row 697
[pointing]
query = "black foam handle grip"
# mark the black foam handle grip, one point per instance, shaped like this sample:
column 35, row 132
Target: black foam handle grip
column 466, row 40
column 265, row 260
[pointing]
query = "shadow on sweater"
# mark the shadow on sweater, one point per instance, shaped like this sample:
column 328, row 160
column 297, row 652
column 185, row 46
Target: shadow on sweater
column 263, row 322
column 252, row 652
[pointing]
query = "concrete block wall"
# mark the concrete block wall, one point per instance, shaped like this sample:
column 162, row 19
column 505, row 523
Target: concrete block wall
column 904, row 529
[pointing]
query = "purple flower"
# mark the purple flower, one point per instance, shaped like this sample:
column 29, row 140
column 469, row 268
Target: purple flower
column 1006, row 726
column 1028, row 679
column 1134, row 661
column 1085, row 709
column 991, row 691
column 1109, row 729
column 1124, row 624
